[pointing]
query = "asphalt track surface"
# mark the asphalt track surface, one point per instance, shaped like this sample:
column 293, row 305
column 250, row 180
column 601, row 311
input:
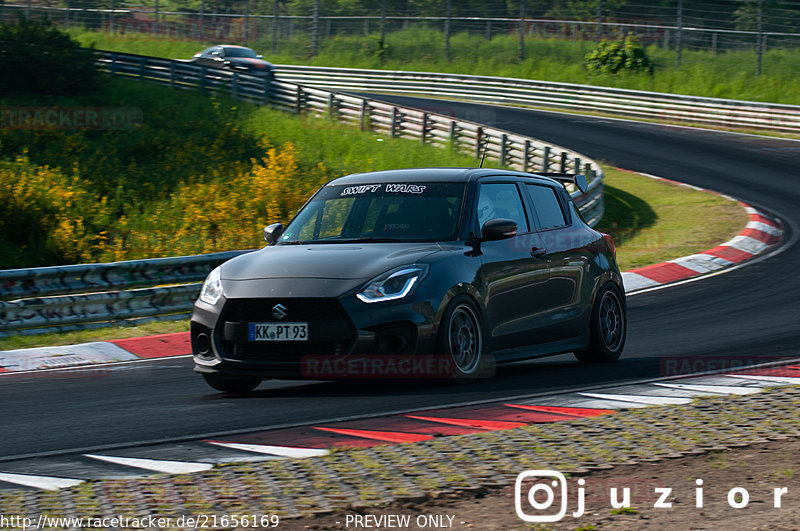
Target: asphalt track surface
column 748, row 314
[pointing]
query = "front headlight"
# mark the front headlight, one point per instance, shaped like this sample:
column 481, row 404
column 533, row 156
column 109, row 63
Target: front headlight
column 394, row 284
column 212, row 288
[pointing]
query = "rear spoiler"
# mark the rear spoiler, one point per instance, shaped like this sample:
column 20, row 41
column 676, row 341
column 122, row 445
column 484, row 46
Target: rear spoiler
column 578, row 179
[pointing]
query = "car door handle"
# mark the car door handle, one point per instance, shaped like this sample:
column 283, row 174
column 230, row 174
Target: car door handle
column 537, row 252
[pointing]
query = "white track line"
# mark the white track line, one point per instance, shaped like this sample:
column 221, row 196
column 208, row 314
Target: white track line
column 715, row 389
column 68, row 356
column 746, row 244
column 633, row 282
column 579, row 401
column 284, row 451
column 763, row 227
column 701, row 263
column 776, row 379
column 641, row 399
column 40, row 482
column 109, row 364
column 167, row 467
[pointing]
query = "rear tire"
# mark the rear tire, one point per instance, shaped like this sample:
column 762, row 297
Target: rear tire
column 608, row 327
column 237, row 385
column 461, row 340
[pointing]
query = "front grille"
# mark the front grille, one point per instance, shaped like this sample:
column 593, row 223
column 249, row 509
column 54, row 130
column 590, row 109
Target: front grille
column 297, row 310
column 321, row 315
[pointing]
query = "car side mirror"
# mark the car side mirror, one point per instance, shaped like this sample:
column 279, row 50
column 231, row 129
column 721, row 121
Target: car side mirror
column 581, row 183
column 499, row 229
column 259, row 56
column 273, row 232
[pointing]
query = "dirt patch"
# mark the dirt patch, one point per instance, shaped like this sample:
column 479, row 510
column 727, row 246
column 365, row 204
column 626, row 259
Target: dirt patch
column 760, row 469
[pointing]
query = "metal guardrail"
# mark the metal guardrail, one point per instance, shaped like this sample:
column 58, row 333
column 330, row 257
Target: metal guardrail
column 622, row 102
column 95, row 295
column 369, row 114
column 81, row 296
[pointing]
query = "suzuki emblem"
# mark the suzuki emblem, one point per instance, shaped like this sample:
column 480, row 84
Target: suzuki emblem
column 279, row 311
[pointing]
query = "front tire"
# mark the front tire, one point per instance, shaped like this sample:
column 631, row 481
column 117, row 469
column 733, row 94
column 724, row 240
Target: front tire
column 461, row 339
column 237, row 385
column 608, row 327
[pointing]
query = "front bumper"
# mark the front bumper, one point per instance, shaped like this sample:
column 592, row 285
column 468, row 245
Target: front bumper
column 343, row 332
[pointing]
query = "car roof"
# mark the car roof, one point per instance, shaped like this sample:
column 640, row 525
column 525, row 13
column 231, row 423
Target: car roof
column 433, row 175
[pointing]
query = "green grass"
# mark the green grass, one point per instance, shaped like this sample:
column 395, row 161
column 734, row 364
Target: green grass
column 624, row 510
column 702, row 73
column 346, row 149
column 651, row 221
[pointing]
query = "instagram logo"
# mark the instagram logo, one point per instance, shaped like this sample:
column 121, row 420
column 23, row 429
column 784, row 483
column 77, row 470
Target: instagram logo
column 541, row 495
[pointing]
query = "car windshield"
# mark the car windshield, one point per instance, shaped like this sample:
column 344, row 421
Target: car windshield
column 240, row 52
column 379, row 212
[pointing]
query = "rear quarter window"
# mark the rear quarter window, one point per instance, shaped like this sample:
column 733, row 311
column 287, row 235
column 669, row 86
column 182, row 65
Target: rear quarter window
column 547, row 206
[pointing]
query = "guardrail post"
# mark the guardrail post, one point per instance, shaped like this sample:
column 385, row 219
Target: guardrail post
column 267, row 89
column 563, row 168
column 453, row 134
column 526, row 155
column 203, row 70
column 235, row 85
column 478, row 135
column 364, row 120
column 113, row 64
column 393, row 126
column 503, row 140
column 172, row 74
column 546, row 160
column 333, row 106
column 576, row 165
column 298, row 96
column 587, row 170
column 142, row 66
column 424, row 134
column 332, row 110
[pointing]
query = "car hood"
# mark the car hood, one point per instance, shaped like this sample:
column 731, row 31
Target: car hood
column 249, row 62
column 325, row 261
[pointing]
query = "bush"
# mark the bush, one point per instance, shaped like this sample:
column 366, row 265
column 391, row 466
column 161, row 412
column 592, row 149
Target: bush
column 618, row 56
column 48, row 216
column 208, row 217
column 38, row 58
column 55, row 218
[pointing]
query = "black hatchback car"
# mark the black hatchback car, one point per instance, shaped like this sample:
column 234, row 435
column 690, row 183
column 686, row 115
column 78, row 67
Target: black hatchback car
column 438, row 272
column 232, row 57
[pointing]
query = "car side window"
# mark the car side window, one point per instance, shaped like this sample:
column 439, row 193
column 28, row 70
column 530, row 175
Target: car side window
column 501, row 200
column 547, row 206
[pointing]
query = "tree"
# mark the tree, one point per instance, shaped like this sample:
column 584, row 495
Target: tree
column 38, row 58
column 582, row 9
column 779, row 15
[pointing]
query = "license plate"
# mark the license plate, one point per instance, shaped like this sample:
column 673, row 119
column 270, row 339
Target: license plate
column 278, row 332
